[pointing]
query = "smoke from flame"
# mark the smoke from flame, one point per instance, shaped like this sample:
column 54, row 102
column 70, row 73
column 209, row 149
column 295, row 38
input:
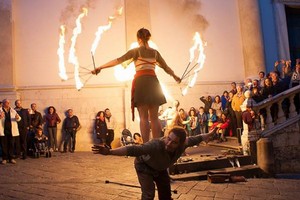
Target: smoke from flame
column 102, row 29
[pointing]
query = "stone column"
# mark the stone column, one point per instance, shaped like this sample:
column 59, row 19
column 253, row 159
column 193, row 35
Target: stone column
column 6, row 44
column 137, row 15
column 252, row 39
column 7, row 80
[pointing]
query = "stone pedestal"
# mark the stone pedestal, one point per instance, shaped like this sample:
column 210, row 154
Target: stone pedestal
column 265, row 157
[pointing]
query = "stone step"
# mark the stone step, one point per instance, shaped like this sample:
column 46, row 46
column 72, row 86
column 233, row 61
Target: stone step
column 195, row 164
column 231, row 143
column 248, row 171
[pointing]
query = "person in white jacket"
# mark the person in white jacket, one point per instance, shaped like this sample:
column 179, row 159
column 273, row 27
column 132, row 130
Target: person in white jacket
column 8, row 131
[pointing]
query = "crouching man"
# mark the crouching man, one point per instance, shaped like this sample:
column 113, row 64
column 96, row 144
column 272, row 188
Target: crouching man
column 153, row 158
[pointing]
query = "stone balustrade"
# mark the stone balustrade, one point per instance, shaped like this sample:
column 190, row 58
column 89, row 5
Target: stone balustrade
column 284, row 102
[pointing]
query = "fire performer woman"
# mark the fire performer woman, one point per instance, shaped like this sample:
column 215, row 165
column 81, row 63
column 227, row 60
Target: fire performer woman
column 146, row 92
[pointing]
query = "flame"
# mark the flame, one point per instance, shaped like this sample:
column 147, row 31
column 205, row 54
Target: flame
column 60, row 53
column 198, row 46
column 102, row 29
column 72, row 55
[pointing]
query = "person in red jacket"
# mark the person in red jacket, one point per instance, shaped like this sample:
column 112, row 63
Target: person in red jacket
column 222, row 124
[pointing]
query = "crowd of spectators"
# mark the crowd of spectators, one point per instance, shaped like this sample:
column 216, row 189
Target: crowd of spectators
column 229, row 110
column 21, row 127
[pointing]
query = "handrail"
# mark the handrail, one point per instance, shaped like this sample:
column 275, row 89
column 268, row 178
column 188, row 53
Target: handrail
column 278, row 99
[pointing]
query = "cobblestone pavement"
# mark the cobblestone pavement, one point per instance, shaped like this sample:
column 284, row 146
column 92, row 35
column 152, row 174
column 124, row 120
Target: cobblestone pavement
column 82, row 175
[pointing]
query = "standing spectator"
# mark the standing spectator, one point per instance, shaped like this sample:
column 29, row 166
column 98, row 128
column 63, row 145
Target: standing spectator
column 71, row 125
column 101, row 127
column 261, row 79
column 248, row 117
column 145, row 80
column 233, row 88
column 255, row 85
column 217, row 106
column 36, row 121
column 248, row 84
column 192, row 126
column 202, row 119
column 207, row 102
column 248, row 100
column 236, row 103
column 183, row 118
column 52, row 119
column 211, row 118
column 170, row 115
column 8, row 131
column 268, row 91
column 110, row 123
column 295, row 81
column 230, row 114
column 163, row 120
column 23, row 126
column 224, row 100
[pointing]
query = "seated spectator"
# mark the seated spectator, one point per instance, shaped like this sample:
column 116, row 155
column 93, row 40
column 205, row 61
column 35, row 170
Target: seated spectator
column 40, row 136
column 40, row 140
column 137, row 138
column 222, row 124
column 217, row 106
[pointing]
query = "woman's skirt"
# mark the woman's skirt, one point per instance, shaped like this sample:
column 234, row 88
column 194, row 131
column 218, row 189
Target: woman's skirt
column 148, row 91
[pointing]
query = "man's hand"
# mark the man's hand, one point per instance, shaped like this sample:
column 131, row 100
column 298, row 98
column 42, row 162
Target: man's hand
column 209, row 136
column 101, row 149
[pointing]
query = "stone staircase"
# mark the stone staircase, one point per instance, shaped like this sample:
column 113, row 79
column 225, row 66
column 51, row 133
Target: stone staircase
column 276, row 152
column 214, row 158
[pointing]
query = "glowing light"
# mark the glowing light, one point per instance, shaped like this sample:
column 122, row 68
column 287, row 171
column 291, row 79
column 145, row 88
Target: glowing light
column 72, row 55
column 126, row 71
column 60, row 53
column 199, row 48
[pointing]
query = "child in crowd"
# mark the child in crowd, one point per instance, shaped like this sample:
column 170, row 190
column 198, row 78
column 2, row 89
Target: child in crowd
column 40, row 140
column 211, row 118
column 202, row 119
